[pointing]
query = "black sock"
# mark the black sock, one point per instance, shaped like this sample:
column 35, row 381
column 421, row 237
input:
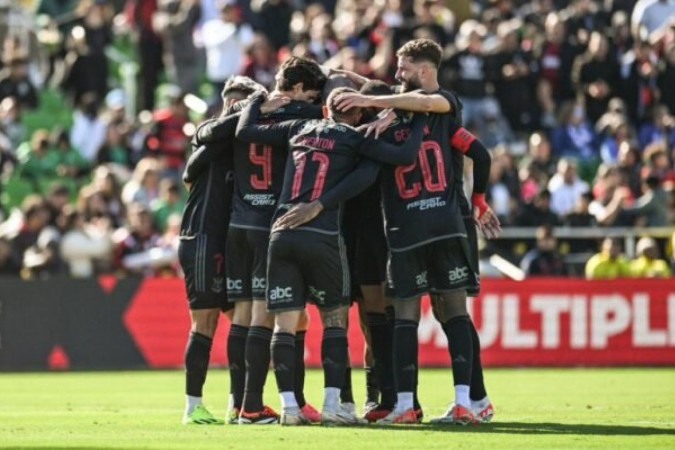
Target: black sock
column 381, row 338
column 458, row 332
column 390, row 314
column 236, row 357
column 300, row 368
column 257, row 365
column 346, row 392
column 334, row 356
column 372, row 388
column 197, row 354
column 478, row 391
column 405, row 357
column 283, row 356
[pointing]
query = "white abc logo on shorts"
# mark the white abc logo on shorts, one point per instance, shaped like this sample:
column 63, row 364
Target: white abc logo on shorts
column 279, row 293
column 458, row 274
column 234, row 285
column 259, row 283
column 421, row 279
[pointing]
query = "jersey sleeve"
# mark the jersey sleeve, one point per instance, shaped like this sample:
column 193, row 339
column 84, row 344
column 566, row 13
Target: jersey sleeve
column 221, row 129
column 357, row 181
column 199, row 160
column 402, row 155
column 249, row 130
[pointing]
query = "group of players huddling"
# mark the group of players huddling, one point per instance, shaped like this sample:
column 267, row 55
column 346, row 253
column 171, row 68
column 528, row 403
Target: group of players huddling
column 287, row 197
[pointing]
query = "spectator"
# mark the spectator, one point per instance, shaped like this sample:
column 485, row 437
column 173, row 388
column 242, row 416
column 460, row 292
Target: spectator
column 566, row 187
column 167, row 140
column 8, row 265
column 143, row 188
column 651, row 209
column 581, row 217
column 138, row 247
column 225, row 40
column 34, row 218
column 538, row 213
column 261, row 62
column 574, row 137
column 657, row 163
column 37, row 158
column 661, row 128
column 609, row 264
column 618, row 133
column 175, row 22
column 594, row 73
column 648, row 264
column 89, row 130
column 638, row 84
column 14, row 81
column 84, row 245
column 115, row 148
column 650, row 16
column 11, row 123
column 275, row 19
column 666, row 86
column 544, row 260
column 170, row 202
column 70, row 164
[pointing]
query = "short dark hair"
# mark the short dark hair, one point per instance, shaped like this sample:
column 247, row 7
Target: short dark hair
column 420, row 50
column 245, row 85
column 334, row 82
column 301, row 70
column 332, row 106
column 376, row 87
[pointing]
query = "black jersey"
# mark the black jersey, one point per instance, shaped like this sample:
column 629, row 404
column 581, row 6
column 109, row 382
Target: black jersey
column 421, row 200
column 209, row 173
column 325, row 158
column 259, row 171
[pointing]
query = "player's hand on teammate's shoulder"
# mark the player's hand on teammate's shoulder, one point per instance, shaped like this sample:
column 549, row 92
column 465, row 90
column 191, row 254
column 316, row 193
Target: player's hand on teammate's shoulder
column 274, row 101
column 485, row 217
column 349, row 100
column 298, row 215
column 379, row 125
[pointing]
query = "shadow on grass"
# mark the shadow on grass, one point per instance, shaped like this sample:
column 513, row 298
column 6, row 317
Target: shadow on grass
column 538, row 428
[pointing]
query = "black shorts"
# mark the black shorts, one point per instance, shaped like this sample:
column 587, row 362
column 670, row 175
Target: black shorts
column 246, row 264
column 473, row 290
column 371, row 249
column 434, row 268
column 306, row 266
column 202, row 258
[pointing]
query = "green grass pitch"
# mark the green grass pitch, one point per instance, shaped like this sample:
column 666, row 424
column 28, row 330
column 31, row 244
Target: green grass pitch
column 536, row 409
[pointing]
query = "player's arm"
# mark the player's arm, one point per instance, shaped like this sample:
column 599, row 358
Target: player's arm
column 249, row 130
column 397, row 155
column 466, row 143
column 221, row 129
column 416, row 101
column 198, row 161
column 350, row 186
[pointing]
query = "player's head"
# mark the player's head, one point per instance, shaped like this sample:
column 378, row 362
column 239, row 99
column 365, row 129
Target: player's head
column 418, row 63
column 373, row 87
column 330, row 110
column 238, row 88
column 300, row 79
column 334, row 82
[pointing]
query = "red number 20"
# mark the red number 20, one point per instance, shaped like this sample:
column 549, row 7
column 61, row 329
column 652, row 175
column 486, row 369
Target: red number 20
column 407, row 192
column 320, row 180
column 261, row 155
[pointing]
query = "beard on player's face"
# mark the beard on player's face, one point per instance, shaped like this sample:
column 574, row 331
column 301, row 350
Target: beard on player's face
column 410, row 82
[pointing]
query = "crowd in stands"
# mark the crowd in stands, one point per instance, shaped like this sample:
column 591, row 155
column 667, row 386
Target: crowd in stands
column 575, row 99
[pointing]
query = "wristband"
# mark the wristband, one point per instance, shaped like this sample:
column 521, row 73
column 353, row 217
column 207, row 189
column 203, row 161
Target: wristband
column 478, row 200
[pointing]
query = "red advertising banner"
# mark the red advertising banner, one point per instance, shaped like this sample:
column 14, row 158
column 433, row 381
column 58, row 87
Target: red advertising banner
column 533, row 323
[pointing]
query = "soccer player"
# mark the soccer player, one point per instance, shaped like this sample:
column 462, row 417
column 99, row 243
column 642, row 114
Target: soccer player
column 308, row 262
column 426, row 234
column 258, row 174
column 201, row 252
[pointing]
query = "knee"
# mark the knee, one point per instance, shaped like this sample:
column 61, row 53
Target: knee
column 408, row 310
column 242, row 314
column 205, row 324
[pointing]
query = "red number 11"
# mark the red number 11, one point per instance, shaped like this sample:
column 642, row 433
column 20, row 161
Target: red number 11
column 300, row 163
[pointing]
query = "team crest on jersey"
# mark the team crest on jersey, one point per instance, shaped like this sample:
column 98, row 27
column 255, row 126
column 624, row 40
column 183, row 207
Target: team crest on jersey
column 217, row 285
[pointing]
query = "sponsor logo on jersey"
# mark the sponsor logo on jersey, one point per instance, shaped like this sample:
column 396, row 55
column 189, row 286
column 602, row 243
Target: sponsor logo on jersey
column 259, row 283
column 280, row 294
column 426, row 203
column 234, row 285
column 421, row 279
column 260, row 199
column 458, row 274
column 319, row 296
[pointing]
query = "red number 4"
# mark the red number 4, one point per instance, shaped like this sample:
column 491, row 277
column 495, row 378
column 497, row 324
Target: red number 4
column 407, row 192
column 261, row 155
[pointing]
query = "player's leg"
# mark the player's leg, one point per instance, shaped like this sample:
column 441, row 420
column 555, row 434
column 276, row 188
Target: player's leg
column 449, row 279
column 286, row 300
column 259, row 336
column 372, row 386
column 239, row 292
column 408, row 275
column 202, row 263
column 309, row 411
